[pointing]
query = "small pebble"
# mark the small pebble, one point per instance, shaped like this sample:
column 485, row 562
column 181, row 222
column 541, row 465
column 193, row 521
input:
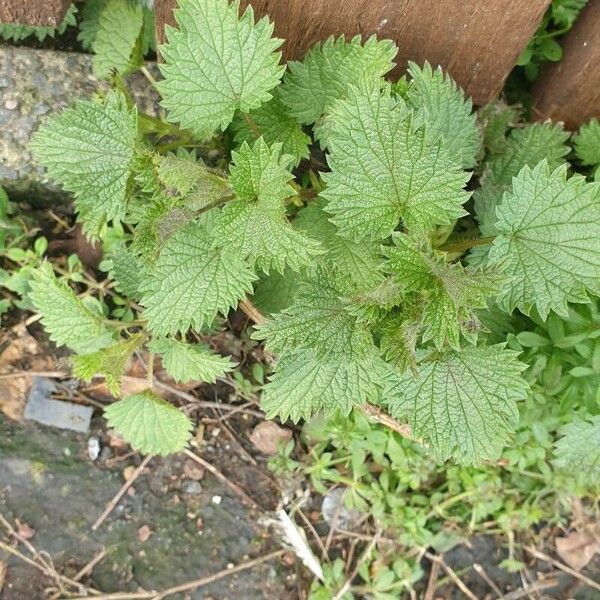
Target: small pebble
column 11, row 104
column 192, row 487
column 93, row 448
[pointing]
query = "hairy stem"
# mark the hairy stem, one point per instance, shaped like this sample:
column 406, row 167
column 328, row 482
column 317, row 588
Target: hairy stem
column 254, row 128
column 150, row 370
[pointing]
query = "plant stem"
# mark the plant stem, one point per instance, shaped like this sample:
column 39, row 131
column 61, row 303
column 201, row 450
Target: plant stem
column 466, row 244
column 150, row 370
column 254, row 128
column 148, row 76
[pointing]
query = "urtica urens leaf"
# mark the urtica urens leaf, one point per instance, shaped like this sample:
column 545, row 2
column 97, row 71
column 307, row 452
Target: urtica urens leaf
column 192, row 282
column 255, row 225
column 464, row 404
column 149, row 423
column 187, row 362
column 65, row 317
column 441, row 104
column 549, row 241
column 217, row 62
column 384, row 169
column 327, row 72
column 89, row 149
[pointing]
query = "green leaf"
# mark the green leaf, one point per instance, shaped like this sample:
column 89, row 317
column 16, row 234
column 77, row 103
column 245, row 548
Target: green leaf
column 383, row 169
column 16, row 32
column 255, row 225
column 275, row 124
column 192, row 282
column 119, row 27
column 128, row 271
column 217, row 63
column 587, row 143
column 398, row 339
column 90, row 23
column 192, row 180
column 276, row 291
column 360, row 261
column 317, row 320
column 150, row 424
column 89, row 150
column 112, row 362
column 304, row 384
column 328, row 72
column 496, row 118
column 188, row 362
column 578, row 448
column 564, row 12
column 548, row 242
column 464, row 404
column 441, row 104
column 448, row 293
column 526, row 146
column 67, row 320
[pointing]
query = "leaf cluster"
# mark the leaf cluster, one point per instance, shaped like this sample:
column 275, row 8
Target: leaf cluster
column 380, row 277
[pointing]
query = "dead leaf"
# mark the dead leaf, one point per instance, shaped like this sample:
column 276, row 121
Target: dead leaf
column 13, row 396
column 578, row 548
column 192, row 471
column 267, row 436
column 22, row 346
column 144, row 533
column 24, row 530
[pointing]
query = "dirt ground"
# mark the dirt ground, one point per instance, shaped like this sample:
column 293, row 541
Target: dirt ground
column 176, row 523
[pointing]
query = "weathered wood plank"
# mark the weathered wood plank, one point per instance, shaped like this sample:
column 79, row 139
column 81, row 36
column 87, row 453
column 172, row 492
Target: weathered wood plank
column 569, row 90
column 37, row 13
column 477, row 41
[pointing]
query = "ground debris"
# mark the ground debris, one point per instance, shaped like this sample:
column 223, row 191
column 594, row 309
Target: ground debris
column 268, row 436
column 579, row 547
column 42, row 408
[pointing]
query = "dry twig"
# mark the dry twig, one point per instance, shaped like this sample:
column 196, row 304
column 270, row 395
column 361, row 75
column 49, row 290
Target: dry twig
column 364, row 556
column 111, row 505
column 450, row 572
column 190, row 585
column 233, row 486
column 541, row 556
column 87, row 569
column 432, row 581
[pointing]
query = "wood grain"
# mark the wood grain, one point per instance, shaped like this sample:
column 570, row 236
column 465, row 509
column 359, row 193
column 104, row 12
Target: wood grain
column 37, row 13
column 477, row 41
column 569, row 90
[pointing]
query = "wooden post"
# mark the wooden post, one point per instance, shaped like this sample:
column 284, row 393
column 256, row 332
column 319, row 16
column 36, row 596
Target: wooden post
column 569, row 90
column 477, row 41
column 37, row 13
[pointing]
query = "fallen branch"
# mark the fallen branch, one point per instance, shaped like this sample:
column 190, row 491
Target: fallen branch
column 536, row 586
column 190, row 585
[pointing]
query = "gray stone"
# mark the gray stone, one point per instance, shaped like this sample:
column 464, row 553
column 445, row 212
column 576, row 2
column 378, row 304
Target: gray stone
column 33, row 84
column 42, row 408
column 192, row 487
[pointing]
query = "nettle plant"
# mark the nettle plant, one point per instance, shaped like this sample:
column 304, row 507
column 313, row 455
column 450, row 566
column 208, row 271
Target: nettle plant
column 372, row 262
